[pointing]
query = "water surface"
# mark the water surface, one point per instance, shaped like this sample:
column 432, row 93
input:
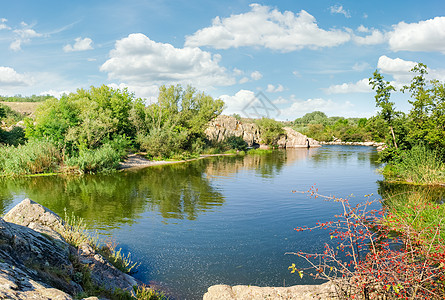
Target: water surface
column 220, row 220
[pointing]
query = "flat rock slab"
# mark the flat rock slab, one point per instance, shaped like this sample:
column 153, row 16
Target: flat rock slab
column 244, row 292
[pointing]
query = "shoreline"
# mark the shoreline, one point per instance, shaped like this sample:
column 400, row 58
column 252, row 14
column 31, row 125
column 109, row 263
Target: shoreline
column 137, row 161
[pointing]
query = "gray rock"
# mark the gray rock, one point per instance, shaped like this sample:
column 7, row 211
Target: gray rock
column 298, row 292
column 223, row 127
column 35, row 259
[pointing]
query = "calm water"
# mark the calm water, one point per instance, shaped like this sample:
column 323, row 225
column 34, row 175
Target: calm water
column 222, row 220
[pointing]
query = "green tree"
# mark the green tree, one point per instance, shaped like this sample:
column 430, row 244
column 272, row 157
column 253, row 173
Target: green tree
column 270, row 130
column 383, row 93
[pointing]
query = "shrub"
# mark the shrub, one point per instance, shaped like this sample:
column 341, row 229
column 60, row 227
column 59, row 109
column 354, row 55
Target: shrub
column 31, row 158
column 420, row 165
column 164, row 142
column 103, row 159
column 378, row 258
column 270, row 130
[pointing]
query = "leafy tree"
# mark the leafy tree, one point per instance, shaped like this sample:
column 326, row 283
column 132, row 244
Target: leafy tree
column 316, row 117
column 270, row 130
column 383, row 93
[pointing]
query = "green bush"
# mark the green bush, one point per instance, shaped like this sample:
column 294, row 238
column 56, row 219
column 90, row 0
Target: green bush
column 420, row 165
column 270, row 130
column 162, row 143
column 103, row 159
column 31, row 158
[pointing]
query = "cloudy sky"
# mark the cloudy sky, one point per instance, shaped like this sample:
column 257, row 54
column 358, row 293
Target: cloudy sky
column 296, row 56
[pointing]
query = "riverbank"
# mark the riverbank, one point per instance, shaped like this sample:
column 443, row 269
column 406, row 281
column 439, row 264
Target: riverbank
column 138, row 161
column 44, row 257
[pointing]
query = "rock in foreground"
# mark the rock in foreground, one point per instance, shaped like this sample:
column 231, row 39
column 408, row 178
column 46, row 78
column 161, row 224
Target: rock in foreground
column 298, row 292
column 37, row 263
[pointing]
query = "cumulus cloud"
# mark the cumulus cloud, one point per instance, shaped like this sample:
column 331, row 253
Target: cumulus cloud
column 269, row 28
column 338, row 9
column 138, row 60
column 274, row 89
column 10, row 78
column 237, row 102
column 244, row 80
column 79, row 45
column 374, row 36
column 400, row 70
column 426, row 35
column 361, row 86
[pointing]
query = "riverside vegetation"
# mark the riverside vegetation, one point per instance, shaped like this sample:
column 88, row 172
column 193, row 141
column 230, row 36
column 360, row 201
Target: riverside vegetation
column 92, row 130
column 396, row 252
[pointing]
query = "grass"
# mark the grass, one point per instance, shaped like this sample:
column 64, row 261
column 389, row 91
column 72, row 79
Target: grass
column 259, row 151
column 418, row 165
column 25, row 108
column 31, row 158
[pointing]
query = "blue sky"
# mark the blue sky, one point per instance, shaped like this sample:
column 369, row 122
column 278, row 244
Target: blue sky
column 301, row 55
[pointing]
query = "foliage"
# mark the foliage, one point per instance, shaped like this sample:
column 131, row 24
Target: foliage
column 236, row 143
column 376, row 258
column 31, row 158
column 75, row 232
column 14, row 136
column 146, row 293
column 103, row 159
column 382, row 98
column 418, row 165
column 270, row 130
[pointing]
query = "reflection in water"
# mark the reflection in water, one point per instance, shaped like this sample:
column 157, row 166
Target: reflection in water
column 342, row 155
column 178, row 191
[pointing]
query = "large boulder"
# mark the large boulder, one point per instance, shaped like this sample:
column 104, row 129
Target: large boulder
column 37, row 263
column 223, row 127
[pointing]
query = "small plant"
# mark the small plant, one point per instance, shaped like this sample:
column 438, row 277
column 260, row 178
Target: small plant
column 146, row 293
column 117, row 258
column 375, row 254
column 76, row 233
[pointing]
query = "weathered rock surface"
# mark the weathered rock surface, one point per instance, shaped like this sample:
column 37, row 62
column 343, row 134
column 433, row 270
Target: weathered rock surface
column 223, row 127
column 37, row 263
column 298, row 292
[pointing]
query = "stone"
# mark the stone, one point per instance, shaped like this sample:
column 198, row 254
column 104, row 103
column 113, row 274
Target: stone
column 223, row 127
column 35, row 259
column 298, row 292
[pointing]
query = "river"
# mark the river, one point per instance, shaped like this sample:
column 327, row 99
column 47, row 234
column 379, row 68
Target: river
column 219, row 220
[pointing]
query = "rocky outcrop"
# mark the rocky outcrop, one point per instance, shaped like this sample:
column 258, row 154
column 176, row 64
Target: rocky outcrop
column 298, row 292
column 223, row 127
column 37, row 263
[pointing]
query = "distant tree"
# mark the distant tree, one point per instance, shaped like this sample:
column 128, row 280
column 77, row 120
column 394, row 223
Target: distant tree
column 316, row 117
column 270, row 130
column 383, row 93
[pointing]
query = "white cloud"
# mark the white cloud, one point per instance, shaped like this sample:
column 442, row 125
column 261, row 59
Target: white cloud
column 426, row 35
column 236, row 103
column 54, row 93
column 23, row 36
column 148, row 92
column 138, row 60
column 360, row 66
column 79, row 45
column 338, row 9
column 280, row 100
column 256, row 75
column 274, row 89
column 3, row 25
column 269, row 28
column 10, row 78
column 299, row 108
column 361, row 86
column 376, row 37
column 244, row 80
column 237, row 72
column 400, row 70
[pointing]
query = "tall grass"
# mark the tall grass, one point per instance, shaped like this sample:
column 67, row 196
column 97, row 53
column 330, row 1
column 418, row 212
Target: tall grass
column 31, row 158
column 420, row 165
column 103, row 159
